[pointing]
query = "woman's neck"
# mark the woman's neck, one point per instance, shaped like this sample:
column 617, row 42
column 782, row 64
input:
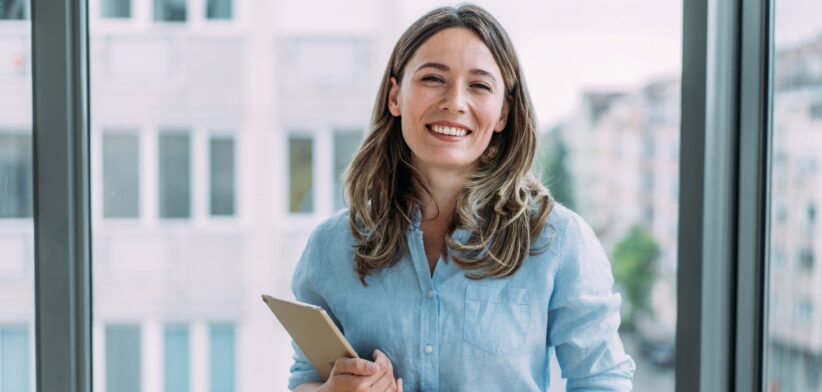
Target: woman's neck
column 445, row 187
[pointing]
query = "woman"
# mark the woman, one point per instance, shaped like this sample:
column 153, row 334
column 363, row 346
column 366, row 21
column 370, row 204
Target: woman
column 454, row 268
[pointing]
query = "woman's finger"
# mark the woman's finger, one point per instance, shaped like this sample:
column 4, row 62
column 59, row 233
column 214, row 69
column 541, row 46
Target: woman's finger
column 356, row 366
column 399, row 385
column 384, row 383
column 381, row 359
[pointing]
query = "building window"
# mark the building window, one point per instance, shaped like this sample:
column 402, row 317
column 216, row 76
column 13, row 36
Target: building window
column 222, row 357
column 345, row 146
column 121, row 175
column 806, row 259
column 218, row 9
column 122, row 358
column 15, row 176
column 13, row 10
column 221, row 176
column 14, row 359
column 115, row 8
column 170, row 10
column 804, row 310
column 175, row 174
column 301, row 174
column 175, row 359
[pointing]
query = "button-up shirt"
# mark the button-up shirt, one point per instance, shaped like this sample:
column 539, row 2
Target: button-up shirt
column 445, row 332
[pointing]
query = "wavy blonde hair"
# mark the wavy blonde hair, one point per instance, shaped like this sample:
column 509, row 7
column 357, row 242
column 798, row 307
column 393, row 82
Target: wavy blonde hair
column 502, row 206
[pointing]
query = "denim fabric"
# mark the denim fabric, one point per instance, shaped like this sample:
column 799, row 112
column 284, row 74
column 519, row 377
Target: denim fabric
column 448, row 333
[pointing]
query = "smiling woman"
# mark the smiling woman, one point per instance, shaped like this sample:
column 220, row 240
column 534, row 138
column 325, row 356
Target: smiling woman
column 457, row 253
column 449, row 105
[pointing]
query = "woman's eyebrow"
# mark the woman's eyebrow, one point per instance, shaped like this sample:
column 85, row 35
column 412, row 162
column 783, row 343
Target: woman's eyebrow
column 445, row 68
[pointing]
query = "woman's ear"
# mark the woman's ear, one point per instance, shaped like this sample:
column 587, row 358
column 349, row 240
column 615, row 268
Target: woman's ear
column 393, row 100
column 503, row 117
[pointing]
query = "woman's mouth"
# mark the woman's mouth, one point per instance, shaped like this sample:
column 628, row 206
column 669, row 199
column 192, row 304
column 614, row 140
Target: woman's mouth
column 448, row 131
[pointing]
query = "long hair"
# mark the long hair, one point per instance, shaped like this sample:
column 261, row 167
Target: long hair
column 502, row 205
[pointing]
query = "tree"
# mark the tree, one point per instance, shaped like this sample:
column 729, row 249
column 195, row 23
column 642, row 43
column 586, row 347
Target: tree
column 635, row 270
column 553, row 157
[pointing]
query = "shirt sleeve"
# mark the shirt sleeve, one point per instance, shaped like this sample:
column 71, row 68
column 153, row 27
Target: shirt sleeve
column 584, row 316
column 304, row 287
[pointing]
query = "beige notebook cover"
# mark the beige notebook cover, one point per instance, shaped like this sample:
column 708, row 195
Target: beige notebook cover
column 313, row 331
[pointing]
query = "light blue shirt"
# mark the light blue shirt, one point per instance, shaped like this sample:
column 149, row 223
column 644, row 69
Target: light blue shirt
column 448, row 333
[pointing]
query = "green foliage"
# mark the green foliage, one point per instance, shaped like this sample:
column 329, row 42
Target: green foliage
column 553, row 160
column 635, row 270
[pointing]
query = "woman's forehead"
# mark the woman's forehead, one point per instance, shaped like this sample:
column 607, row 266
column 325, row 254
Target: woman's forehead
column 457, row 50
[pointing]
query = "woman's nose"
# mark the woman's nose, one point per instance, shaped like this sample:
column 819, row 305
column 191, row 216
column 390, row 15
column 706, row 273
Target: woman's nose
column 454, row 100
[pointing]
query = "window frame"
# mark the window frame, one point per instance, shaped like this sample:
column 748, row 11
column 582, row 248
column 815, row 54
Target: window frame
column 723, row 221
column 725, row 136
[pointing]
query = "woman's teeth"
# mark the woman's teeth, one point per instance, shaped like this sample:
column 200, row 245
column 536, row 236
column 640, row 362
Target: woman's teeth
column 450, row 131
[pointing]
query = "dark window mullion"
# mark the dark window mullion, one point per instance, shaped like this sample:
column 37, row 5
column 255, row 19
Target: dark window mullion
column 61, row 196
column 754, row 134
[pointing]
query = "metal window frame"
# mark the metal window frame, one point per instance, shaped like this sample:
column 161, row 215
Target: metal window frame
column 62, row 232
column 723, row 182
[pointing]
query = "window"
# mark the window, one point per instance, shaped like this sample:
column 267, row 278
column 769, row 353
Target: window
column 300, row 174
column 175, row 359
column 175, row 174
column 222, row 357
column 15, row 175
column 804, row 311
column 121, row 175
column 14, row 359
column 345, row 146
column 792, row 342
column 806, row 259
column 218, row 9
column 221, row 176
column 115, row 8
column 170, row 10
column 122, row 359
column 13, row 9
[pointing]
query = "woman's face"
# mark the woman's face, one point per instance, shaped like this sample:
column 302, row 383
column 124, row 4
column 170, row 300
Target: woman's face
column 451, row 100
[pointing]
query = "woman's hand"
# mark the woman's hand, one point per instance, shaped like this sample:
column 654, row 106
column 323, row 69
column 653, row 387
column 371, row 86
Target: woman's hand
column 359, row 375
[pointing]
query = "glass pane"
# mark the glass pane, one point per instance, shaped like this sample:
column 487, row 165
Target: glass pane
column 218, row 9
column 794, row 341
column 13, row 9
column 170, row 10
column 17, row 354
column 14, row 359
column 221, row 340
column 221, row 175
column 603, row 76
column 175, row 175
column 176, row 359
column 15, row 175
column 123, row 358
column 301, row 174
column 115, row 8
column 121, row 176
column 346, row 144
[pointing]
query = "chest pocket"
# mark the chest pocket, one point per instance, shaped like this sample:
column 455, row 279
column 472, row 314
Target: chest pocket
column 496, row 320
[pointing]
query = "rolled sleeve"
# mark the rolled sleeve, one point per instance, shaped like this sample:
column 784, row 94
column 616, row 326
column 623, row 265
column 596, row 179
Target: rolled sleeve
column 304, row 287
column 584, row 316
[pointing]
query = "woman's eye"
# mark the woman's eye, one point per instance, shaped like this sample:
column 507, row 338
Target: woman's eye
column 432, row 78
column 481, row 86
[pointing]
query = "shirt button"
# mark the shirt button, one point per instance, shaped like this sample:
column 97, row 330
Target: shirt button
column 430, row 293
column 429, row 349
